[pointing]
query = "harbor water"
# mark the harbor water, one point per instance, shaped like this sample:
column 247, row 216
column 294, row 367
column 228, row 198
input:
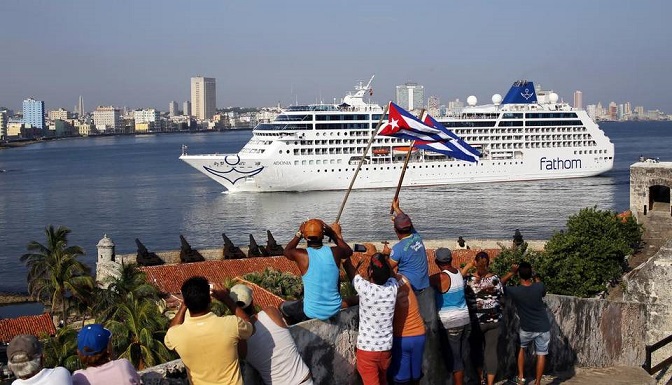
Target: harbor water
column 132, row 187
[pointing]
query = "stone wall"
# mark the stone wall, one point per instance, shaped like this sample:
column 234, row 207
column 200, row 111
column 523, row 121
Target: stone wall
column 643, row 175
column 585, row 333
column 650, row 284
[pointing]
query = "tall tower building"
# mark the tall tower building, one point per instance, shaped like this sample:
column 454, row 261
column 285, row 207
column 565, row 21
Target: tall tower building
column 33, row 113
column 203, row 97
column 3, row 124
column 80, row 107
column 578, row 100
column 186, row 108
column 172, row 108
column 411, row 96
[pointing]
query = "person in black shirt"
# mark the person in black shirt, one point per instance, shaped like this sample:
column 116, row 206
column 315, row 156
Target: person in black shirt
column 534, row 324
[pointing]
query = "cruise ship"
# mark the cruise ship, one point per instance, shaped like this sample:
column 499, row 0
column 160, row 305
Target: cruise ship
column 526, row 135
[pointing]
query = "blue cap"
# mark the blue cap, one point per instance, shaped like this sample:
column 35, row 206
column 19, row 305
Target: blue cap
column 93, row 339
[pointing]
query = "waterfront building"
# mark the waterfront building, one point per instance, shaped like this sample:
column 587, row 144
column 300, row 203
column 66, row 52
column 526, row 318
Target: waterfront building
column 186, row 108
column 613, row 111
column 33, row 113
column 172, row 108
column 108, row 120
column 61, row 128
column 203, row 97
column 578, row 99
column 147, row 115
column 591, row 109
column 86, row 128
column 411, row 96
column 60, row 114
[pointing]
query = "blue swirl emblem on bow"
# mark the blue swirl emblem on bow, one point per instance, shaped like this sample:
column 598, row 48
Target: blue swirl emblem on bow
column 232, row 175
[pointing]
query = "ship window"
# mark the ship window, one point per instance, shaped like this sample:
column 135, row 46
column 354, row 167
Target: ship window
column 311, row 162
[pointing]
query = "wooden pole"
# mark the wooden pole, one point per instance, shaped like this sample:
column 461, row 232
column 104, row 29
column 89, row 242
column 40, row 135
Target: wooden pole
column 403, row 169
column 359, row 166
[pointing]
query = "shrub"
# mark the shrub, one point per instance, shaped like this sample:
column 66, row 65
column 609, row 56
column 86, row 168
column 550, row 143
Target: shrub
column 590, row 254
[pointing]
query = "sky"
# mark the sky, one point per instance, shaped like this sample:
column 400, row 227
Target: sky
column 142, row 53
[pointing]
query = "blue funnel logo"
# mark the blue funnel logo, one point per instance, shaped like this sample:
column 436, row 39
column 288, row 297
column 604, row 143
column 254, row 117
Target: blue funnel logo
column 522, row 92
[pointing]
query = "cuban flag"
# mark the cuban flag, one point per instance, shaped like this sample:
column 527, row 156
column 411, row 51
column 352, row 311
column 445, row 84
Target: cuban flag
column 456, row 147
column 402, row 124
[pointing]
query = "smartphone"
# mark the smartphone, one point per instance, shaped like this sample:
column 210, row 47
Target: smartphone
column 359, row 248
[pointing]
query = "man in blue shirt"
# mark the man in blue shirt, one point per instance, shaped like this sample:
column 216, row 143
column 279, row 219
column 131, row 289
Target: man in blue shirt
column 320, row 269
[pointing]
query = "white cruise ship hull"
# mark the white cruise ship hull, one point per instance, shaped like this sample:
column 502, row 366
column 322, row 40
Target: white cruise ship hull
column 277, row 175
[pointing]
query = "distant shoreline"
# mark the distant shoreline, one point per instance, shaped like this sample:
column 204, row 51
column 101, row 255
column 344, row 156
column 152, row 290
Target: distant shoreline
column 26, row 142
column 14, row 298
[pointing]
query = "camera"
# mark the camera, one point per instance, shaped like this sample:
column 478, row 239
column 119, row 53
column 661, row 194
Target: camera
column 359, row 248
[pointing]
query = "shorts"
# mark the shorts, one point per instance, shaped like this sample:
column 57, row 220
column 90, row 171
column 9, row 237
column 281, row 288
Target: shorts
column 541, row 341
column 407, row 358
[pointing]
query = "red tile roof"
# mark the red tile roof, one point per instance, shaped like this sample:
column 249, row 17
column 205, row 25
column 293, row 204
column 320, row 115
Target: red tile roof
column 262, row 297
column 36, row 325
column 169, row 278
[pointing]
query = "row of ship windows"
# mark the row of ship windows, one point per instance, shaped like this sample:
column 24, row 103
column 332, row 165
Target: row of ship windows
column 375, row 168
column 506, row 115
column 559, row 144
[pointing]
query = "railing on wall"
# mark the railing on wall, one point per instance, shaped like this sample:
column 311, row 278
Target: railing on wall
column 649, row 351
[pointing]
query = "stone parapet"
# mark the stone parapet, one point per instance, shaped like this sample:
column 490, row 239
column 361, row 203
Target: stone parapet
column 585, row 333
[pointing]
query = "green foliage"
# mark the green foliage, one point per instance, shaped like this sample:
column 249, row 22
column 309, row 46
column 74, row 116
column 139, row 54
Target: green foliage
column 590, row 254
column 282, row 284
column 138, row 328
column 55, row 275
column 508, row 256
column 131, row 281
column 61, row 350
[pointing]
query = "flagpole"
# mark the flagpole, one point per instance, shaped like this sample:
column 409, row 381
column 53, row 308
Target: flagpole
column 361, row 161
column 403, row 169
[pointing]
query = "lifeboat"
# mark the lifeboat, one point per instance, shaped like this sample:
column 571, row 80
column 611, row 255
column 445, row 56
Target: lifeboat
column 403, row 150
column 380, row 151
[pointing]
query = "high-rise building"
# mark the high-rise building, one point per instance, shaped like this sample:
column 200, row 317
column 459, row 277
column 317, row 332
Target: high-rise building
column 80, row 107
column 3, row 124
column 33, row 113
column 186, row 108
column 411, row 96
column 433, row 103
column 203, row 97
column 108, row 120
column 172, row 108
column 578, row 99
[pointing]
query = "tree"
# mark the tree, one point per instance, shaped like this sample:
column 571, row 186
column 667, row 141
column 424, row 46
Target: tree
column 54, row 272
column 138, row 329
column 61, row 350
column 590, row 254
column 508, row 256
column 130, row 280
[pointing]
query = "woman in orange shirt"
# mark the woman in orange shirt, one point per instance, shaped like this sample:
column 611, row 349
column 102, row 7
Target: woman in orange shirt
column 408, row 343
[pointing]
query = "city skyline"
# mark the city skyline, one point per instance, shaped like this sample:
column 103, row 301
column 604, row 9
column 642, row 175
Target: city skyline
column 265, row 54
